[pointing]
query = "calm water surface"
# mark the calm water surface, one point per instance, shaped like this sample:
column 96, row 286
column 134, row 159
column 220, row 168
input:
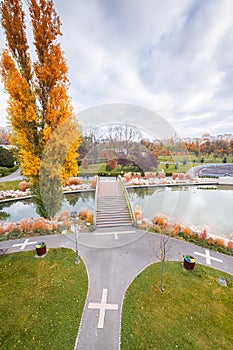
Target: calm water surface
column 15, row 211
column 189, row 205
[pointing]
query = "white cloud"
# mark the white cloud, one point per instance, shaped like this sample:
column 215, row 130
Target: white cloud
column 174, row 57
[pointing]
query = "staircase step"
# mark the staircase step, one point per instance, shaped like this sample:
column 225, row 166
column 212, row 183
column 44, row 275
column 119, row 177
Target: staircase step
column 112, row 208
column 113, row 218
column 113, row 225
column 113, row 221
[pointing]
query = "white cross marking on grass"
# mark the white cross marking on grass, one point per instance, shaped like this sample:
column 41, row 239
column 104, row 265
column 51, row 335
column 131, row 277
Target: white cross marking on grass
column 103, row 306
column 24, row 244
column 208, row 257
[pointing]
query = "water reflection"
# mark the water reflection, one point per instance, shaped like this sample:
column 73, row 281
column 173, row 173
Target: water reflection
column 16, row 210
column 195, row 206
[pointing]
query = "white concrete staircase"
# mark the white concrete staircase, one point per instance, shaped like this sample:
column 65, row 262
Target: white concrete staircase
column 112, row 208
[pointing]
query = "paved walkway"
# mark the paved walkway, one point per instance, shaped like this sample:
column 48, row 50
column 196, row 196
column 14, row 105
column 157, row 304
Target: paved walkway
column 14, row 176
column 112, row 264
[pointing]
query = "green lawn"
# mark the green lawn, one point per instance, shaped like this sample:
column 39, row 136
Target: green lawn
column 92, row 169
column 193, row 158
column 181, row 168
column 41, row 300
column 194, row 312
column 9, row 185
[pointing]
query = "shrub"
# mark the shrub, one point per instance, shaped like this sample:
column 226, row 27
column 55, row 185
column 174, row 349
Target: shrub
column 39, row 225
column 155, row 228
column 203, row 235
column 2, row 231
column 175, row 176
column 161, row 175
column 210, row 241
column 173, row 232
column 159, row 221
column 149, row 175
column 90, row 218
column 52, row 226
column 74, row 181
column 111, row 164
column 219, row 242
column 187, row 232
column 23, row 186
column 175, row 229
column 10, row 227
column 25, row 225
column 230, row 245
column 128, row 177
column 83, row 213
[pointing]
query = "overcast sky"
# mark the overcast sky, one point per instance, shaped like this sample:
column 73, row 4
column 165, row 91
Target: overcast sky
column 174, row 57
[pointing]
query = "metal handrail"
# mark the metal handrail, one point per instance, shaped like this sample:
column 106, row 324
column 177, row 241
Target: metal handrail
column 127, row 200
column 96, row 198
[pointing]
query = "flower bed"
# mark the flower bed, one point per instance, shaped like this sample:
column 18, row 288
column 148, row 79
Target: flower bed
column 29, row 227
column 159, row 179
column 162, row 226
column 74, row 184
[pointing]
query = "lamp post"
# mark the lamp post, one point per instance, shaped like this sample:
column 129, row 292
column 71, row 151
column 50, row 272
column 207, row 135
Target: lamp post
column 74, row 219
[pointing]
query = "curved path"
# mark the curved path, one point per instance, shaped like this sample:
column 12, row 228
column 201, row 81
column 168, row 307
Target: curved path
column 16, row 175
column 212, row 169
column 113, row 259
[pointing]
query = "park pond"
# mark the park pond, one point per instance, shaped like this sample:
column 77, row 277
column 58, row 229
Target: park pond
column 14, row 211
column 193, row 206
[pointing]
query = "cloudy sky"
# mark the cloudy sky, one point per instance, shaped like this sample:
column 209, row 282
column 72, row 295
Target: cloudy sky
column 173, row 57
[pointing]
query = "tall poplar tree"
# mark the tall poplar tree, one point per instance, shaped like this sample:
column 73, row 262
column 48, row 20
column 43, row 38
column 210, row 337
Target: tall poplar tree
column 39, row 109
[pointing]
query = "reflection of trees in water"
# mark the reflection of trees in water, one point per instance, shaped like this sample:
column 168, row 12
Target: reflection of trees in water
column 26, row 201
column 180, row 188
column 74, row 198
column 3, row 214
column 142, row 192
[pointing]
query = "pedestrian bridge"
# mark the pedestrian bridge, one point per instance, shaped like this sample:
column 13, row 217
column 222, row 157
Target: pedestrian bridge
column 113, row 207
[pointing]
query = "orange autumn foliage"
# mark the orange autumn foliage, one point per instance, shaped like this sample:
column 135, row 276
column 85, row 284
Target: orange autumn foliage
column 23, row 186
column 25, row 225
column 39, row 225
column 161, row 221
column 38, row 101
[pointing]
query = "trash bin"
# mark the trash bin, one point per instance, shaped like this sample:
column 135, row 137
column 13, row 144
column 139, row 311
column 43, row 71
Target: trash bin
column 41, row 248
column 189, row 262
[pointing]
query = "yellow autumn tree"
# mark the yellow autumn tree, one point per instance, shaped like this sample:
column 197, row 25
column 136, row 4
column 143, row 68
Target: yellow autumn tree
column 38, row 101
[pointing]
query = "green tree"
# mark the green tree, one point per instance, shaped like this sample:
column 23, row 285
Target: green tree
column 7, row 158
